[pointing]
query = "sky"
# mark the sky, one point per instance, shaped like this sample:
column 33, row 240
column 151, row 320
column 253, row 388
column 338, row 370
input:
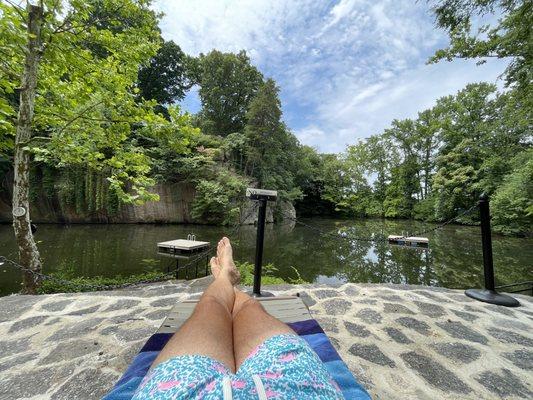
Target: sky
column 346, row 68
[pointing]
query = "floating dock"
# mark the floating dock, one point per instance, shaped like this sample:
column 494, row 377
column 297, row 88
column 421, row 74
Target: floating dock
column 412, row 241
column 181, row 248
column 184, row 249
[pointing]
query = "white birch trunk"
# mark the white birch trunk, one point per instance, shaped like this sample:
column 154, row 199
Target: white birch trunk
column 28, row 253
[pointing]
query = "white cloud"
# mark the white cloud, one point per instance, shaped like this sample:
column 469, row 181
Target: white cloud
column 345, row 69
column 312, row 136
column 361, row 112
column 342, row 9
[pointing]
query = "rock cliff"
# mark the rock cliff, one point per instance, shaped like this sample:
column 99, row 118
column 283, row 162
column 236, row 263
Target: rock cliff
column 174, row 206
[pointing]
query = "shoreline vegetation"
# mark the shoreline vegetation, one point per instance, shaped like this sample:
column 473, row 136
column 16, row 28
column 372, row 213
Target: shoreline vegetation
column 91, row 123
column 86, row 284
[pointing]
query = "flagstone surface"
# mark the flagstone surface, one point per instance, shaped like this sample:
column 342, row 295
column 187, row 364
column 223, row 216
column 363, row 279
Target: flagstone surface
column 400, row 341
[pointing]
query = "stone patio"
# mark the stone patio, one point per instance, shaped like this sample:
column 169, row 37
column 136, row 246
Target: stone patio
column 401, row 342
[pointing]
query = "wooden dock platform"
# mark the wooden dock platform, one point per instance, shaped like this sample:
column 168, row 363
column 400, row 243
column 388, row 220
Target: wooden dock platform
column 181, row 248
column 285, row 308
column 413, row 241
column 185, row 249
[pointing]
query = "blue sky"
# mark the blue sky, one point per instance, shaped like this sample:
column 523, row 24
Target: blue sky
column 346, row 68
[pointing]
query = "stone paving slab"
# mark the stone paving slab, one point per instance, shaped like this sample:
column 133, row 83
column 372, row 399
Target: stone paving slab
column 400, row 341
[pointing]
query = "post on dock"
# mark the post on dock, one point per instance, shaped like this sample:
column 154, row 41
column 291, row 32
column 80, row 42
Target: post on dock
column 262, row 197
column 489, row 294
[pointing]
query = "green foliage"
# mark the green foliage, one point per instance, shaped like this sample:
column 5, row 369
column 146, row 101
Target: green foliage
column 228, row 82
column 268, row 277
column 86, row 284
column 215, row 200
column 165, row 78
column 48, row 182
column 311, row 178
column 88, row 108
column 425, row 209
column 336, row 182
column 271, row 150
column 77, row 189
column 73, row 283
column 512, row 203
column 508, row 36
column 436, row 166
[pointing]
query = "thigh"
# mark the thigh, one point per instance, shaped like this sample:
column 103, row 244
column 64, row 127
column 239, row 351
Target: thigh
column 184, row 377
column 285, row 367
column 252, row 325
column 208, row 332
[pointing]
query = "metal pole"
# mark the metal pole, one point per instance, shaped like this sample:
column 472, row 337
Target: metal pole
column 259, row 247
column 486, row 242
column 177, row 267
column 489, row 294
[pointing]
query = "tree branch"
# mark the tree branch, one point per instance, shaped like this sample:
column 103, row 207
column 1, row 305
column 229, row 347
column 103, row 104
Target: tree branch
column 114, row 121
column 8, row 71
column 79, row 115
column 32, row 139
column 19, row 10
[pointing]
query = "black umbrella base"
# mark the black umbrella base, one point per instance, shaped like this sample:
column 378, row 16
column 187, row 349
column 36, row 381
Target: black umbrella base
column 492, row 297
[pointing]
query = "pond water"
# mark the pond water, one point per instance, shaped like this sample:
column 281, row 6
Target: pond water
column 453, row 260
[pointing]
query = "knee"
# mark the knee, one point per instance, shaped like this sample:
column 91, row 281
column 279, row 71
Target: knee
column 243, row 303
column 211, row 302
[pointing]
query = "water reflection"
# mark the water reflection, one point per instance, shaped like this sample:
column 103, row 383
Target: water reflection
column 454, row 258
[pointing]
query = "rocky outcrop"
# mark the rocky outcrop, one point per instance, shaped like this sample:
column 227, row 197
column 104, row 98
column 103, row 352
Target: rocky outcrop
column 280, row 211
column 174, row 206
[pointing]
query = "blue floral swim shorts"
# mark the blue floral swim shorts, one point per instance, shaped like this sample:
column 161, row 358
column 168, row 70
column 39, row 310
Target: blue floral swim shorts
column 283, row 367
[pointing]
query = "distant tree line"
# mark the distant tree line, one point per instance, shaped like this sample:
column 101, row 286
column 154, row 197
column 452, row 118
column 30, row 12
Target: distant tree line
column 436, row 166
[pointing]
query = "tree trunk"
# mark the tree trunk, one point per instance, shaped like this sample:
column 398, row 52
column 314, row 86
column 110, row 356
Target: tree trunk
column 28, row 253
column 427, row 168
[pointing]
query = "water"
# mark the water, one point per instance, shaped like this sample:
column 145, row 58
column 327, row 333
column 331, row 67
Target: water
column 454, row 259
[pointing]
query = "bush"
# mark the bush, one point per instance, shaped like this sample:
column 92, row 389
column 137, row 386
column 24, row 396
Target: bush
column 512, row 203
column 425, row 209
column 269, row 270
column 216, row 200
column 75, row 284
column 85, row 284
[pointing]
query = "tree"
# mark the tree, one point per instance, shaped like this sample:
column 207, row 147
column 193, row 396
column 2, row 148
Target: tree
column 428, row 129
column 508, row 37
column 271, row 151
column 74, row 65
column 476, row 149
column 310, row 178
column 337, row 184
column 406, row 176
column 262, row 129
column 512, row 203
column 228, row 83
column 165, row 78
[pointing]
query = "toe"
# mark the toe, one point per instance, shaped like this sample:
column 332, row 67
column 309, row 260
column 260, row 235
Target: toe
column 214, row 262
column 226, row 241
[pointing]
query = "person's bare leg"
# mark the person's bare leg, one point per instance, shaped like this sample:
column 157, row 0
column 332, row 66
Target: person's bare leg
column 208, row 331
column 252, row 325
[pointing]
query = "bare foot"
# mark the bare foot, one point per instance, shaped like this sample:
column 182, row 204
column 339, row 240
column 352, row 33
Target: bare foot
column 225, row 261
column 215, row 266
